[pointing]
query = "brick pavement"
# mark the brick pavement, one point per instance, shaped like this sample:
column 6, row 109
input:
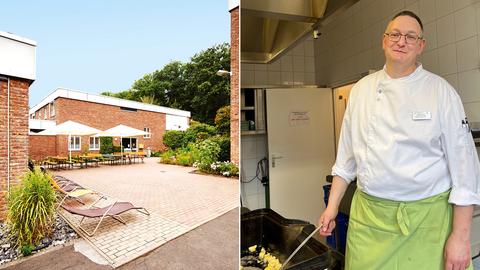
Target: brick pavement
column 178, row 201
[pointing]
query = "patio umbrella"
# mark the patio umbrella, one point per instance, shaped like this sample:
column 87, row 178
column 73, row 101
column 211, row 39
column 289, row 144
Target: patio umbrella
column 70, row 128
column 121, row 131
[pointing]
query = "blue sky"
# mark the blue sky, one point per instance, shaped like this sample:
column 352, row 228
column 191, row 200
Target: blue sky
column 105, row 45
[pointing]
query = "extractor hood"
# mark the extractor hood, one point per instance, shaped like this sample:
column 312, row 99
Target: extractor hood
column 270, row 27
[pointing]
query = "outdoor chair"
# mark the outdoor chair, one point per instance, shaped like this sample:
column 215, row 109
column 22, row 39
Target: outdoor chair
column 113, row 210
column 71, row 190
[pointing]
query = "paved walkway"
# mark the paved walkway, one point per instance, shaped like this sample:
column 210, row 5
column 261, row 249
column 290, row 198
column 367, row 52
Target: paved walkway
column 178, row 201
column 213, row 245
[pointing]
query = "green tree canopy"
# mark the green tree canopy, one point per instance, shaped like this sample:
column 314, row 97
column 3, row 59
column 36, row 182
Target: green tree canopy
column 192, row 86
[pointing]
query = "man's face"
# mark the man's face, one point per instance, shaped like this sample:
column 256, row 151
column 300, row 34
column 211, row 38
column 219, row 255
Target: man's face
column 403, row 52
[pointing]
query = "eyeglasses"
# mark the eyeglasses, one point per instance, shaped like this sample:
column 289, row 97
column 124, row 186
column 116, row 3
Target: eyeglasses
column 409, row 38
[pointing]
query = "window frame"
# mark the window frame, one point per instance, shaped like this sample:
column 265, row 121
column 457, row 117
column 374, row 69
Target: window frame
column 74, row 144
column 95, row 146
column 149, row 135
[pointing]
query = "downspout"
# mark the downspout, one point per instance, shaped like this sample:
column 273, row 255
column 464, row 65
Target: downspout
column 8, row 135
column 8, row 130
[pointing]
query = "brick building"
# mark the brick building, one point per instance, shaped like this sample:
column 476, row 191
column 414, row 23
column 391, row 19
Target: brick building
column 100, row 112
column 17, row 73
column 234, row 87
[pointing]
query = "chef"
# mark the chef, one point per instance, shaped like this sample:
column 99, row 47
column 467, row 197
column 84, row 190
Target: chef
column 406, row 139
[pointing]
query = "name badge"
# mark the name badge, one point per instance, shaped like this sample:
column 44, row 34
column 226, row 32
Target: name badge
column 421, row 116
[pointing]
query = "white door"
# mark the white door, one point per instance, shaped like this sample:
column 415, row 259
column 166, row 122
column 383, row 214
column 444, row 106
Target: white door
column 301, row 147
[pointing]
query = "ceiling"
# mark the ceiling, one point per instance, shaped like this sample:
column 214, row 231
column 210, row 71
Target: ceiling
column 270, row 27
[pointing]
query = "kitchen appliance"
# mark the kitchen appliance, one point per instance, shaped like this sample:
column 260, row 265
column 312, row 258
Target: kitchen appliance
column 281, row 236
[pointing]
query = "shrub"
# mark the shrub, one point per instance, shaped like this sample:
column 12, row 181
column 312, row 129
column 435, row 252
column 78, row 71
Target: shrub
column 222, row 120
column 225, row 168
column 184, row 158
column 192, row 133
column 156, row 154
column 205, row 153
column 168, row 157
column 224, row 143
column 173, row 139
column 31, row 208
column 106, row 145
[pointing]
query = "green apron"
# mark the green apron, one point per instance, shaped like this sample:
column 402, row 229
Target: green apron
column 391, row 235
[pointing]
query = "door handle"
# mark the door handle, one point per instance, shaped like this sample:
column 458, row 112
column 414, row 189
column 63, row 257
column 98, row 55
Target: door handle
column 274, row 158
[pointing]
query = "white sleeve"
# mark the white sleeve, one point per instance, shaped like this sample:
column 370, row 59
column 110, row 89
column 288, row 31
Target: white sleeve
column 345, row 165
column 459, row 149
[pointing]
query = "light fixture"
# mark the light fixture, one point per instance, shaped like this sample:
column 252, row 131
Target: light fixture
column 224, row 73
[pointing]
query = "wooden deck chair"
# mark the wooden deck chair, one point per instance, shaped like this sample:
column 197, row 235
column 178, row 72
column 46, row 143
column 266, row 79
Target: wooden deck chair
column 113, row 210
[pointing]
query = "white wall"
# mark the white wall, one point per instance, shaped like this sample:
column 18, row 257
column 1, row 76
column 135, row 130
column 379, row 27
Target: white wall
column 253, row 149
column 294, row 67
column 351, row 44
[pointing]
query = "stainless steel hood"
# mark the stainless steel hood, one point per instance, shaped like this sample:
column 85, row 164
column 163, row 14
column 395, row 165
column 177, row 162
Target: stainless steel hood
column 270, row 27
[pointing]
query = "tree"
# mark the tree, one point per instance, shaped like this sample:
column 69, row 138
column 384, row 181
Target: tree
column 192, row 86
column 222, row 120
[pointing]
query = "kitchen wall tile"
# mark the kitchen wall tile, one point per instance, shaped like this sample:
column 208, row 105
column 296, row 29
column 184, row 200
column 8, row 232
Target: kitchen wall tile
column 275, row 65
column 468, row 84
column 413, row 7
column 249, row 148
column 274, row 77
column 397, row 6
column 249, row 167
column 472, row 110
column 409, row 2
column 309, row 48
column 298, row 63
column 261, row 78
column 430, row 61
column 251, row 201
column 459, row 4
column 443, row 7
column 247, row 66
column 430, row 34
column 310, row 78
column 247, row 77
column 299, row 50
column 249, row 188
column 261, row 67
column 467, row 54
column 287, row 63
column 447, row 59
column 426, row 10
column 309, row 64
column 445, row 30
column 287, row 78
column 465, row 23
column 298, row 78
column 452, row 79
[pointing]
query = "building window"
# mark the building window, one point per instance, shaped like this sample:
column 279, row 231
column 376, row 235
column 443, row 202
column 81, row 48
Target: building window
column 52, row 110
column 44, row 113
column 147, row 135
column 74, row 144
column 94, row 143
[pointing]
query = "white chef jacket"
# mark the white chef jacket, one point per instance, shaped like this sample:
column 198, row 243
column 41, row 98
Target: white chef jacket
column 407, row 139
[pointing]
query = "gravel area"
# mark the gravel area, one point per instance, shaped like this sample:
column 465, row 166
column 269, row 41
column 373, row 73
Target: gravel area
column 8, row 252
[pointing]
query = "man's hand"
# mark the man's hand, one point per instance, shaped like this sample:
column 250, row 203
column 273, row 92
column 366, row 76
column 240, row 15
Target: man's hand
column 327, row 221
column 457, row 249
column 457, row 252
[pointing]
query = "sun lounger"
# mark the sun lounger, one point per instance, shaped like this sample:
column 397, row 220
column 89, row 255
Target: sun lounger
column 113, row 210
column 68, row 189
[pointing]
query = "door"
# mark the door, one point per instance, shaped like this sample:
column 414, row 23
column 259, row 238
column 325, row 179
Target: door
column 129, row 144
column 301, row 147
column 340, row 101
